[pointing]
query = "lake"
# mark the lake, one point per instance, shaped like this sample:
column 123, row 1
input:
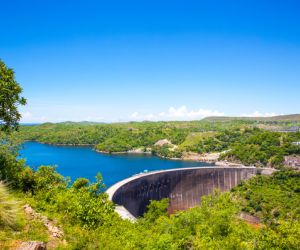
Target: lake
column 85, row 162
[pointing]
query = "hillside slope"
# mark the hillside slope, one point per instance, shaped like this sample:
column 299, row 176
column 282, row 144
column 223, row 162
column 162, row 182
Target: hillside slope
column 286, row 118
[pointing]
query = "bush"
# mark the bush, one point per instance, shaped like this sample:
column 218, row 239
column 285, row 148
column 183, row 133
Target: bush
column 47, row 178
column 156, row 209
column 80, row 183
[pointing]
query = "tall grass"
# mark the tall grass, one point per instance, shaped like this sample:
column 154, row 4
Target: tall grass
column 8, row 207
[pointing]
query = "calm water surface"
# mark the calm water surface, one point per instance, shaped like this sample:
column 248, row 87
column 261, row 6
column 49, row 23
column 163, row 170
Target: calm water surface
column 84, row 162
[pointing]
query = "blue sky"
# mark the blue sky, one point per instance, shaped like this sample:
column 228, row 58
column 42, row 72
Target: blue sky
column 152, row 60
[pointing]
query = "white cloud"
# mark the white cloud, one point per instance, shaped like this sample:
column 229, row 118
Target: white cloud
column 135, row 115
column 28, row 117
column 259, row 114
column 94, row 118
column 181, row 113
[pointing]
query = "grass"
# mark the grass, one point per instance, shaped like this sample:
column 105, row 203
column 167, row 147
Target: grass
column 8, row 207
column 195, row 138
column 15, row 226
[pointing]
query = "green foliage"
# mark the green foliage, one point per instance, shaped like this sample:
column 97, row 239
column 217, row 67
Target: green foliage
column 80, row 183
column 107, row 137
column 26, row 181
column 10, row 98
column 47, row 178
column 284, row 236
column 119, row 137
column 167, row 151
column 156, row 209
column 272, row 198
column 194, row 139
column 219, row 227
column 10, row 167
column 84, row 203
column 261, row 148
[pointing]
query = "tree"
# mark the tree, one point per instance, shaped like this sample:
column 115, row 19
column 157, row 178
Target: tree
column 10, row 98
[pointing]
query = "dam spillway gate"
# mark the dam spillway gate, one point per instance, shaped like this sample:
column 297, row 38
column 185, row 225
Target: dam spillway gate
column 184, row 187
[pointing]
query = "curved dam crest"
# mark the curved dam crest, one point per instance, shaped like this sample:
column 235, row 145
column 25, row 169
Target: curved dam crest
column 184, row 187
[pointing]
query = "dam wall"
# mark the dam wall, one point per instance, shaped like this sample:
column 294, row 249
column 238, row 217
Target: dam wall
column 184, row 187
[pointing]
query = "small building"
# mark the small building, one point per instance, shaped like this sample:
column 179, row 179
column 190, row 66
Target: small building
column 292, row 161
column 296, row 143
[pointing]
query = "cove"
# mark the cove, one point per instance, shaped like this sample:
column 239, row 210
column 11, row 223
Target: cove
column 80, row 161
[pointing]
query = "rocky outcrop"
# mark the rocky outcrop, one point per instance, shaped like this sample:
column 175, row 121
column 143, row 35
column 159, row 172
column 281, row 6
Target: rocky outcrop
column 206, row 157
column 163, row 142
column 292, row 161
column 139, row 151
column 32, row 245
column 250, row 219
column 228, row 164
column 56, row 233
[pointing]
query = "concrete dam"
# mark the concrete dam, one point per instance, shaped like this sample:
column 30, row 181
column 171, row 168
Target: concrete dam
column 184, row 187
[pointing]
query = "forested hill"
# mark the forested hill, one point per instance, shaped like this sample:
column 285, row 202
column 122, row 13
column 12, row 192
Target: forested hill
column 246, row 142
column 282, row 118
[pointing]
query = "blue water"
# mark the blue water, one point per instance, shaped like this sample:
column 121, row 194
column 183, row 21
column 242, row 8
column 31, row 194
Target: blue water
column 84, row 162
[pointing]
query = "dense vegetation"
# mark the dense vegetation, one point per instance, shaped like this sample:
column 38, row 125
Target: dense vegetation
column 134, row 134
column 239, row 141
column 274, row 199
column 269, row 119
column 263, row 148
column 89, row 221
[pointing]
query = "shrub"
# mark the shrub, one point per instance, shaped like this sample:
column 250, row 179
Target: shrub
column 80, row 183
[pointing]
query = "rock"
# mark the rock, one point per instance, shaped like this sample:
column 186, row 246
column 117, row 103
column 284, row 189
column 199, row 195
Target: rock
column 207, row 157
column 32, row 245
column 228, row 164
column 163, row 142
column 139, row 151
column 249, row 218
column 54, row 231
column 28, row 209
column 266, row 171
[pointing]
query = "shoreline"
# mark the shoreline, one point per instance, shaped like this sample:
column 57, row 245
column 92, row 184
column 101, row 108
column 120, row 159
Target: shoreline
column 63, row 144
column 210, row 158
column 123, row 152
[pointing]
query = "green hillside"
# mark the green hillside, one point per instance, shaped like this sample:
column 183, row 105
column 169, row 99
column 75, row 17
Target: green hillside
column 282, row 118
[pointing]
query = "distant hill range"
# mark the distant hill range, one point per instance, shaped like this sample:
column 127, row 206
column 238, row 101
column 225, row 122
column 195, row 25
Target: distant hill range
column 81, row 123
column 287, row 118
column 280, row 118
